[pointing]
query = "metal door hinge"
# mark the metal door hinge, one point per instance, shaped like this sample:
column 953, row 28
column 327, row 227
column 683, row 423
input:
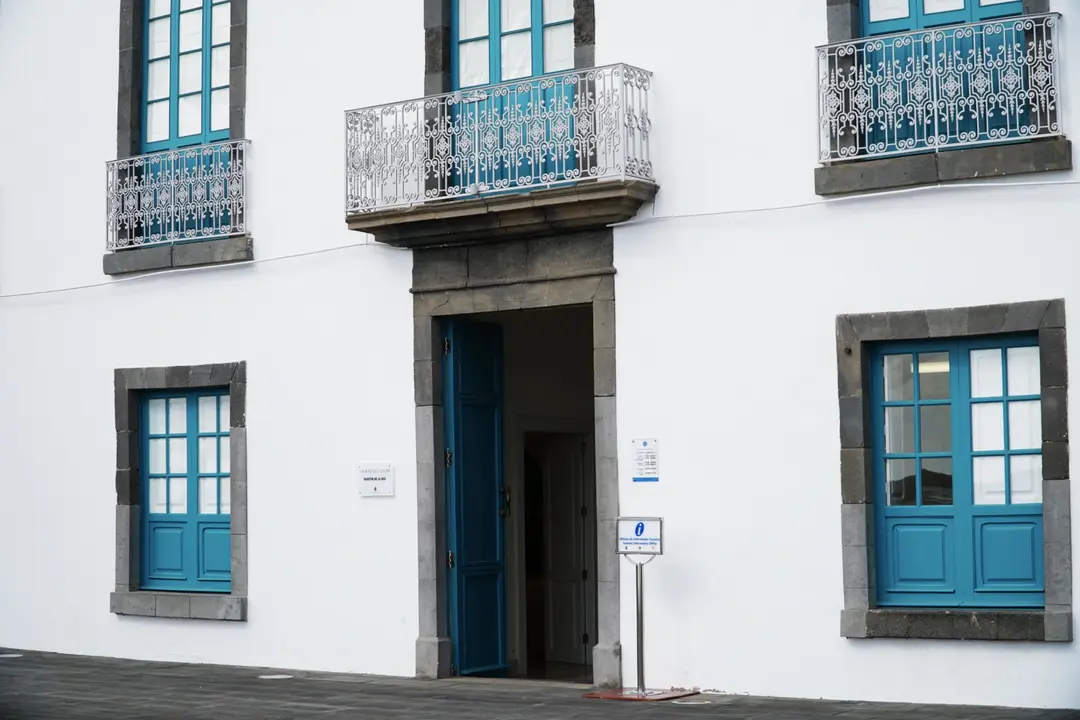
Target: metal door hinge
column 584, row 574
column 450, row 558
column 449, row 458
column 585, row 639
column 446, row 346
column 584, row 511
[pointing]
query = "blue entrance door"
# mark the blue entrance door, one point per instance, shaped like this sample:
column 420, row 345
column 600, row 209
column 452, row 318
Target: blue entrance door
column 477, row 499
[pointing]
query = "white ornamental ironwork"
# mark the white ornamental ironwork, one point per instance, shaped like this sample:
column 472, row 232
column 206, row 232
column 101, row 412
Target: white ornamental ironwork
column 194, row 193
column 974, row 84
column 530, row 133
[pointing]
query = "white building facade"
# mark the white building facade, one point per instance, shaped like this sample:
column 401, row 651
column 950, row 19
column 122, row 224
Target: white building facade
column 565, row 229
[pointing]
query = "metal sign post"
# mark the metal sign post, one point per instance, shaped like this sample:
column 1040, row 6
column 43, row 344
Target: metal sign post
column 640, row 539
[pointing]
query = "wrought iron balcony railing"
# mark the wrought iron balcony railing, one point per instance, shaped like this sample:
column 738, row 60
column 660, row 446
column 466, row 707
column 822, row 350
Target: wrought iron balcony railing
column 530, row 133
column 988, row 82
column 194, row 193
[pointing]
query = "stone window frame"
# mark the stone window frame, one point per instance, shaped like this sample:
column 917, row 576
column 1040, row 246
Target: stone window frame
column 129, row 131
column 860, row 617
column 127, row 598
column 929, row 168
column 438, row 36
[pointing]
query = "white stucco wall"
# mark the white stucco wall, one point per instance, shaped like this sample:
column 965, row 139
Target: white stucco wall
column 725, row 352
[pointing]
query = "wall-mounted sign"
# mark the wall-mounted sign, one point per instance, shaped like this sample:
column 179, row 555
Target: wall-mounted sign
column 376, row 480
column 646, row 460
column 640, row 536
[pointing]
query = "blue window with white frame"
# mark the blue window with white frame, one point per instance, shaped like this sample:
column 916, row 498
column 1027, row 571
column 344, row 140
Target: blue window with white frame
column 958, row 473
column 186, row 73
column 185, row 489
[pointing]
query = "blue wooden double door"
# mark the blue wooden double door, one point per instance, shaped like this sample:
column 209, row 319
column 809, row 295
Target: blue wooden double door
column 515, row 125
column 965, row 83
column 958, row 469
column 477, row 496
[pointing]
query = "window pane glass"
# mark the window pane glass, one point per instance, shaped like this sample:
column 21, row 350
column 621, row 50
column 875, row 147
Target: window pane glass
column 190, row 115
column 157, row 84
column 221, row 19
column 899, row 379
column 159, row 8
column 558, row 48
column 190, row 4
column 157, row 457
column 1023, row 365
column 219, row 109
column 219, row 66
column 157, row 416
column 473, row 63
column 516, row 14
column 516, row 56
column 225, row 460
column 177, row 416
column 937, row 481
column 888, row 10
column 191, row 72
column 157, row 496
column 900, row 479
column 178, row 455
column 935, row 428
column 936, row 6
column 986, row 3
column 208, row 495
column 474, row 18
column 226, row 422
column 1025, row 425
column 226, row 496
column 1025, row 479
column 985, row 373
column 900, row 429
column 556, row 10
column 208, row 460
column 177, row 495
column 160, row 38
column 191, row 30
column 207, row 414
column 157, row 121
column 987, row 426
column 989, row 477
column 933, row 376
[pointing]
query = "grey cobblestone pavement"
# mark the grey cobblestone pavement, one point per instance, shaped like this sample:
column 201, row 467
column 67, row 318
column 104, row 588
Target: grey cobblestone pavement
column 40, row 686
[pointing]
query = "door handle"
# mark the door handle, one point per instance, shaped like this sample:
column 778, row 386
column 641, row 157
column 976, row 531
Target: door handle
column 505, row 510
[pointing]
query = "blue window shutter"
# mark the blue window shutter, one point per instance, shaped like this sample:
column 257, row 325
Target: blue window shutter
column 959, row 540
column 186, row 501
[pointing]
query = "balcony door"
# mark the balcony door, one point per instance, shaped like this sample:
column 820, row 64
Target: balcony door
column 514, row 126
column 964, row 85
column 185, row 110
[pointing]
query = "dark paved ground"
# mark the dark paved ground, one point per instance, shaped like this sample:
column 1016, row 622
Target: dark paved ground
column 40, row 686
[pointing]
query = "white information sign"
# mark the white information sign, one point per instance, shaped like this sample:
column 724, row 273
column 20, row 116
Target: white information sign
column 646, row 460
column 640, row 536
column 376, row 480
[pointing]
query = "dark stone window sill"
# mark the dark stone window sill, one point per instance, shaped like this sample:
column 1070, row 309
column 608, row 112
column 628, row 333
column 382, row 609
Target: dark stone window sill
column 930, row 168
column 239, row 248
column 196, row 606
column 587, row 205
column 956, row 624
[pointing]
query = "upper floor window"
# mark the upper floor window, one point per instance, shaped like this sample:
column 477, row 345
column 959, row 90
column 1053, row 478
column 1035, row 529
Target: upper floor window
column 958, row 467
column 892, row 16
column 500, row 40
column 186, row 78
column 185, row 483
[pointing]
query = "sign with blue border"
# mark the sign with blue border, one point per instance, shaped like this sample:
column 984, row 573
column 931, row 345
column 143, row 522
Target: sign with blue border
column 646, row 460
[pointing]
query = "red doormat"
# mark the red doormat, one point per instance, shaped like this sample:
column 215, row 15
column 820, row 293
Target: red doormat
column 634, row 695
